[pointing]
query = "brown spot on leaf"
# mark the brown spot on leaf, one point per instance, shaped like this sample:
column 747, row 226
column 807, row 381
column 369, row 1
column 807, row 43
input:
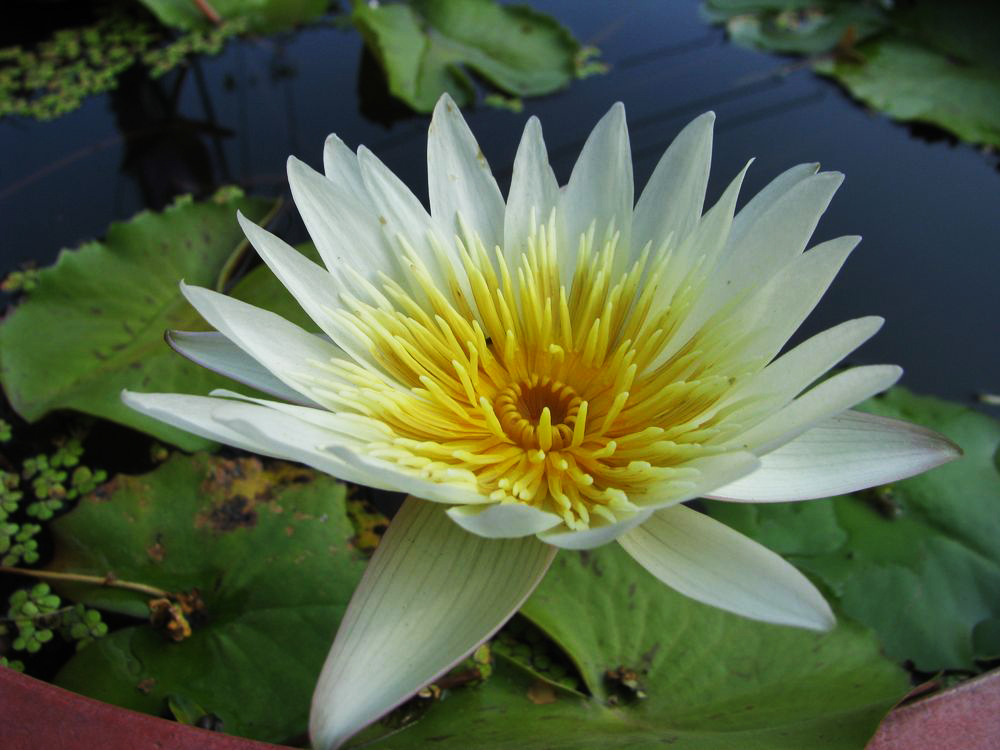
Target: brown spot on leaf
column 146, row 686
column 624, row 686
column 289, row 531
column 156, row 551
column 241, row 488
column 232, row 513
column 541, row 693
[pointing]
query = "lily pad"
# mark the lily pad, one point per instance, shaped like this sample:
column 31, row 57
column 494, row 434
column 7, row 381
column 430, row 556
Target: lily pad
column 918, row 560
column 260, row 557
column 805, row 27
column 665, row 670
column 910, row 82
column 261, row 15
column 95, row 322
column 424, row 47
column 930, row 62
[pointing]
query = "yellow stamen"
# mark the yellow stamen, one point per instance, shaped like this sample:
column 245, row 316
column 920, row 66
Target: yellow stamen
column 533, row 392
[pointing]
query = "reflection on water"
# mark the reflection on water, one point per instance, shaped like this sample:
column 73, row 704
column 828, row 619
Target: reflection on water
column 928, row 210
column 166, row 153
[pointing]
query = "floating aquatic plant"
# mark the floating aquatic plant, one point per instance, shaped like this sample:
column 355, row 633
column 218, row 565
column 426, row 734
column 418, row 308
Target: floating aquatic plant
column 560, row 369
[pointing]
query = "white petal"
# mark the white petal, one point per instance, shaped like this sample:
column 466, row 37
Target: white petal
column 190, row 413
column 404, row 219
column 533, row 187
column 699, row 252
column 849, row 452
column 354, row 429
column 766, row 198
column 503, row 521
column 459, row 490
column 345, row 229
column 399, row 211
column 712, row 472
column 600, row 532
column 775, row 238
column 710, row 562
column 600, row 188
column 829, row 398
column 282, row 347
column 217, row 353
column 430, row 595
column 459, row 179
column 253, row 428
column 340, row 165
column 775, row 311
column 673, row 199
column 777, row 223
column 318, row 291
column 709, row 472
column 787, row 376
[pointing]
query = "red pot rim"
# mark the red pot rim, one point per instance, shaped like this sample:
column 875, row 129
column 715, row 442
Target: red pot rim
column 965, row 717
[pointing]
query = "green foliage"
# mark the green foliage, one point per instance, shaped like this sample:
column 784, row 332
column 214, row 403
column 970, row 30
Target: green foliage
column 104, row 309
column 260, row 566
column 22, row 281
column 48, row 477
column 37, row 614
column 15, row 664
column 523, row 644
column 58, row 74
column 662, row 670
column 808, row 27
column 919, row 560
column 931, row 62
column 17, row 540
column 264, row 16
column 911, row 82
column 30, row 611
column 425, row 46
column 82, row 625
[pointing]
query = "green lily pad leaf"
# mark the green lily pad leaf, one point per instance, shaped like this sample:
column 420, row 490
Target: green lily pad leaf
column 929, row 62
column 424, row 47
column 263, row 16
column 918, row 560
column 94, row 324
column 807, row 27
column 910, row 82
column 665, row 670
column 259, row 563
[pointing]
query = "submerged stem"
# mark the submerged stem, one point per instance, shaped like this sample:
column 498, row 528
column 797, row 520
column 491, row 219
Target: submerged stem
column 108, row 580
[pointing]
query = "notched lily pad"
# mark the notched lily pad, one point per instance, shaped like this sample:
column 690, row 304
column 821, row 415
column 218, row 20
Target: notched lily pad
column 918, row 560
column 259, row 568
column 425, row 46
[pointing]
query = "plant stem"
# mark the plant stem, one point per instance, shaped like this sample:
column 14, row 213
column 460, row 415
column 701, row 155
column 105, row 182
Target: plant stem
column 108, row 580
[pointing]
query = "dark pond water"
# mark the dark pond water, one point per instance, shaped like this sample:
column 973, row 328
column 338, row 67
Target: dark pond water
column 929, row 210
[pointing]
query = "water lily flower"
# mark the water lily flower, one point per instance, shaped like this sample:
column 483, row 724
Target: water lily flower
column 558, row 370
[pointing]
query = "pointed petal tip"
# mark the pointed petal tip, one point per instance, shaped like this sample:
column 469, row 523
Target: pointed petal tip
column 246, row 224
column 445, row 100
column 824, row 621
column 410, row 593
